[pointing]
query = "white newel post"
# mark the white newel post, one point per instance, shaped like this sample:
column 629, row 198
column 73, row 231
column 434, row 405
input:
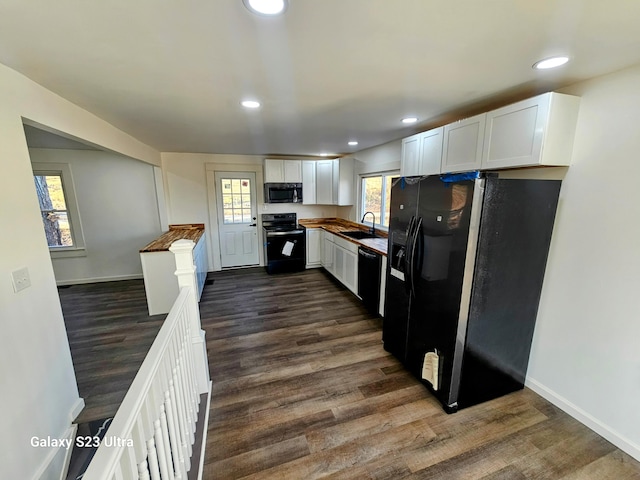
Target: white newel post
column 186, row 273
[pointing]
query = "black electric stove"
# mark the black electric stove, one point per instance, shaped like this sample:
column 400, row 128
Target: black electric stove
column 284, row 242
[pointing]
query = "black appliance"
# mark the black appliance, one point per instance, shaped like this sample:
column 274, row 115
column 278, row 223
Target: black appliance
column 283, row 193
column 467, row 257
column 284, row 242
column 369, row 263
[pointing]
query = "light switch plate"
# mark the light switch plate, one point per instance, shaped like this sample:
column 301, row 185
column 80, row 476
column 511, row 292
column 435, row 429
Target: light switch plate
column 20, row 279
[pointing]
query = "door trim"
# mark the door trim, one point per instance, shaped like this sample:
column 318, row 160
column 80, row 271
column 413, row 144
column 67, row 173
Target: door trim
column 210, row 169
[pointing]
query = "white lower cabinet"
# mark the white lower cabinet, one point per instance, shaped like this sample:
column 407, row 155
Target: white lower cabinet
column 340, row 259
column 314, row 247
column 346, row 263
column 328, row 249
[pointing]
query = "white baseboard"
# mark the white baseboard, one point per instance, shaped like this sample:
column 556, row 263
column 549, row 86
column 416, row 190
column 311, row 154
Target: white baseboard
column 204, row 434
column 76, row 409
column 585, row 418
column 56, row 463
column 67, row 455
column 116, row 278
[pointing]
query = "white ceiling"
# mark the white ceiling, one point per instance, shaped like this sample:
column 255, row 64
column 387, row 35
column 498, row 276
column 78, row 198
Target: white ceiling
column 172, row 73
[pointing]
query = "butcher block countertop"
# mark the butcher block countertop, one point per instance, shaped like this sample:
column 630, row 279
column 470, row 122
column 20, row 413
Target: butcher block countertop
column 189, row 231
column 339, row 225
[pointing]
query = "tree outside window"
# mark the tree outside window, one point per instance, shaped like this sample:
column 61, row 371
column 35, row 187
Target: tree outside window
column 58, row 209
column 376, row 197
column 53, row 208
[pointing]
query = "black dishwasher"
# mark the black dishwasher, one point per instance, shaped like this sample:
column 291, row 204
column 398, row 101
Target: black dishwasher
column 369, row 263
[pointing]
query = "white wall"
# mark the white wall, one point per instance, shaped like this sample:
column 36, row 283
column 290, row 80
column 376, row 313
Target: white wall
column 119, row 213
column 586, row 354
column 187, row 200
column 39, row 393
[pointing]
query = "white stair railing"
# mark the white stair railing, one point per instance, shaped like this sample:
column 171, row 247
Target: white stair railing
column 153, row 431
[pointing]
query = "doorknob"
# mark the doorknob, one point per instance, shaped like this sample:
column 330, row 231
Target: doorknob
column 253, row 225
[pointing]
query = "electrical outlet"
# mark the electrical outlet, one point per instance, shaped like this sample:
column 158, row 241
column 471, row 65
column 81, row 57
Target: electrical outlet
column 20, row 279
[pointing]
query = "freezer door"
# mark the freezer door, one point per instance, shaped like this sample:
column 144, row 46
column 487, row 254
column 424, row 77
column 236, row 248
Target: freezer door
column 445, row 211
column 404, row 202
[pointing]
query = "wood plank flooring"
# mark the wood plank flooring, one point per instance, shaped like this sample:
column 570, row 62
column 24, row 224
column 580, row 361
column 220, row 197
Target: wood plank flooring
column 110, row 332
column 303, row 389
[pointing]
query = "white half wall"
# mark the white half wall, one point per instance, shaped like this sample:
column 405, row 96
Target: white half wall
column 118, row 209
column 39, row 392
column 585, row 355
column 188, row 202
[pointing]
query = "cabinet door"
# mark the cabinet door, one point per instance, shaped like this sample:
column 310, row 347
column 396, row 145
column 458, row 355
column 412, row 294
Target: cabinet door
column 430, row 152
column 339, row 254
column 462, row 148
column 309, row 182
column 327, row 255
column 324, row 182
column 513, row 134
column 314, row 244
column 350, row 274
column 292, row 171
column 345, row 180
column 410, row 158
column 273, row 171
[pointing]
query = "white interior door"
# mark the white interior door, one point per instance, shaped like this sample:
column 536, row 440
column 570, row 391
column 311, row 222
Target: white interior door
column 237, row 218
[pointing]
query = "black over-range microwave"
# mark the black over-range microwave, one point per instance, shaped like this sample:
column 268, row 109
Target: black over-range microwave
column 283, row 193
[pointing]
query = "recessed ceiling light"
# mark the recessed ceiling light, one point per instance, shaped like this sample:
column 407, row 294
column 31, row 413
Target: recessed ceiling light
column 552, row 62
column 353, row 143
column 250, row 104
column 266, row 7
column 409, row 120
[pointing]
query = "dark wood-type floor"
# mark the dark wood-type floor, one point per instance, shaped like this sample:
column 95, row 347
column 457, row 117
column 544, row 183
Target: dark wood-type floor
column 303, row 389
column 110, row 332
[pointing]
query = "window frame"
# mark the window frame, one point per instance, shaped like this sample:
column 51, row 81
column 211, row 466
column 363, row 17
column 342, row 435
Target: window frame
column 386, row 176
column 73, row 214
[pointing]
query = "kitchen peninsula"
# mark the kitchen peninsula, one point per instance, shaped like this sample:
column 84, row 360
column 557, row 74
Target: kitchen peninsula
column 158, row 265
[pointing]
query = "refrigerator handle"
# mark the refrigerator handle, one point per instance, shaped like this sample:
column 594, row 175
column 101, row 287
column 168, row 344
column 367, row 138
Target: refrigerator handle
column 416, row 260
column 407, row 258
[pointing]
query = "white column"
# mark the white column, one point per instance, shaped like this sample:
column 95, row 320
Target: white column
column 186, row 273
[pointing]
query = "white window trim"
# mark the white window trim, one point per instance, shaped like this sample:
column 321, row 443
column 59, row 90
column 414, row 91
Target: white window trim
column 64, row 170
column 361, row 212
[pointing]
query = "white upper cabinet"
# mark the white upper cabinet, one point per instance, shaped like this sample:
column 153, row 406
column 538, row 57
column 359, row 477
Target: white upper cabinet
column 282, row 171
column 422, row 153
column 309, row 182
column 462, row 146
column 409, row 161
column 324, row 182
column 343, row 177
column 537, row 131
column 334, row 181
column 292, row 171
column 431, row 151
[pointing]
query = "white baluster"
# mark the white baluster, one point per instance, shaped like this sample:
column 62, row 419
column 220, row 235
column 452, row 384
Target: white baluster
column 153, row 459
column 164, row 428
column 182, row 423
column 174, row 434
column 143, row 471
column 162, row 455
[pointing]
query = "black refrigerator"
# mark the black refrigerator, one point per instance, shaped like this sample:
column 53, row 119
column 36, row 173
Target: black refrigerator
column 466, row 260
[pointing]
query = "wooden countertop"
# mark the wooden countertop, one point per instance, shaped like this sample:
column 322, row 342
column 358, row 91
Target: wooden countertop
column 339, row 225
column 190, row 231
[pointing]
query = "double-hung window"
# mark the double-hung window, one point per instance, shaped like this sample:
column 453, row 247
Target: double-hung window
column 58, row 209
column 376, row 197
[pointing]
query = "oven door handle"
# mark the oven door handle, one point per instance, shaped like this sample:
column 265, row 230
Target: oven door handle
column 278, row 234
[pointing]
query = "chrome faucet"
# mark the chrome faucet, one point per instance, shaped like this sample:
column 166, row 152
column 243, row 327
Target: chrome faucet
column 373, row 225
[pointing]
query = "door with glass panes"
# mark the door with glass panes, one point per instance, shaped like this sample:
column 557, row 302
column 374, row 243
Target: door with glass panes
column 237, row 215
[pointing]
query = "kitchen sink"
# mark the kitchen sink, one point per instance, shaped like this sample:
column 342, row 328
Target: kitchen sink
column 359, row 234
